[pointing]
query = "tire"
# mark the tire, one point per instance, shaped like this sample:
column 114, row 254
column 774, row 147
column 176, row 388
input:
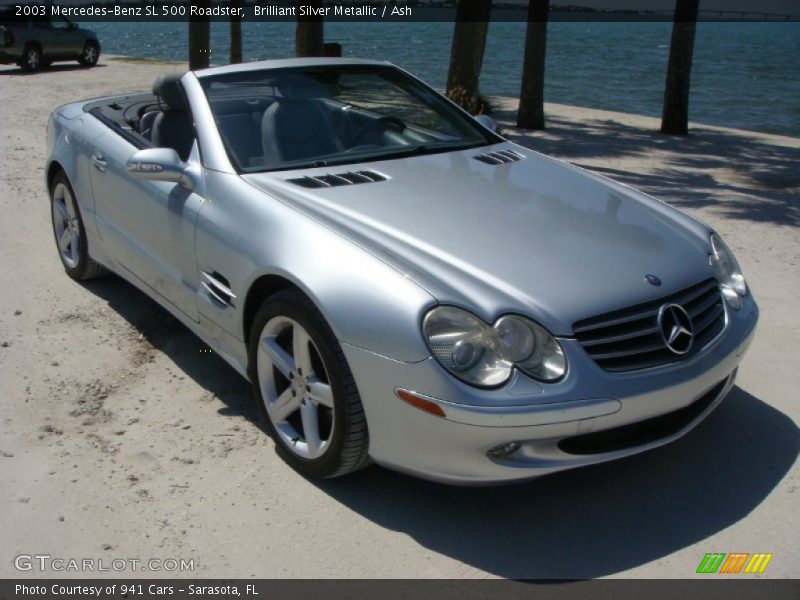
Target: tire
column 31, row 58
column 69, row 232
column 289, row 398
column 90, row 54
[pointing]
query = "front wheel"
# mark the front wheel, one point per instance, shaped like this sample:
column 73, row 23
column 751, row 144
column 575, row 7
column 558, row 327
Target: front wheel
column 90, row 55
column 31, row 58
column 305, row 390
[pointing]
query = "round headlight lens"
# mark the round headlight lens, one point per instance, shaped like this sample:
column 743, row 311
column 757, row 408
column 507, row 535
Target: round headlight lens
column 465, row 346
column 547, row 362
column 485, row 355
column 517, row 341
column 726, row 267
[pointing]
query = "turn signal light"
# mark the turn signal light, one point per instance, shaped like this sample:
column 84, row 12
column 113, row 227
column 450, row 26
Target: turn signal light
column 420, row 401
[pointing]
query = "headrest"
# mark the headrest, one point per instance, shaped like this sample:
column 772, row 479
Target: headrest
column 168, row 88
column 304, row 89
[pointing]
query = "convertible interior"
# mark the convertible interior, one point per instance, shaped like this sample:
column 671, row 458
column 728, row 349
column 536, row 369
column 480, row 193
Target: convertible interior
column 271, row 125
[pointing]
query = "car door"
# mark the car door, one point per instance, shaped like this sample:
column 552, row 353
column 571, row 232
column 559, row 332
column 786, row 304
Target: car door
column 56, row 43
column 148, row 226
column 71, row 38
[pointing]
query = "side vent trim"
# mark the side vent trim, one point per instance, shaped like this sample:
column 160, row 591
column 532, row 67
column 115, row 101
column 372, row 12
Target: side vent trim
column 501, row 157
column 217, row 288
column 338, row 179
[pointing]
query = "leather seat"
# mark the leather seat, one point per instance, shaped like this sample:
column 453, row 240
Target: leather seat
column 297, row 127
column 172, row 126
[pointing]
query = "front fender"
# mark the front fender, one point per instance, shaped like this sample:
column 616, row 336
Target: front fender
column 244, row 234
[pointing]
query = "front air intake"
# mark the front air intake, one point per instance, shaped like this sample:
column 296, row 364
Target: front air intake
column 501, row 157
column 338, row 179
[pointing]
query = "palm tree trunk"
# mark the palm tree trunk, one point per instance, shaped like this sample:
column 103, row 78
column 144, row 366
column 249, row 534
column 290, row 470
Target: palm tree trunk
column 531, row 98
column 236, row 33
column 675, row 118
column 200, row 38
column 309, row 35
column 466, row 55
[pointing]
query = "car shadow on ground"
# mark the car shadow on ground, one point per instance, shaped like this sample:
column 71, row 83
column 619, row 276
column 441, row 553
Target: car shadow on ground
column 586, row 523
column 55, row 68
column 759, row 180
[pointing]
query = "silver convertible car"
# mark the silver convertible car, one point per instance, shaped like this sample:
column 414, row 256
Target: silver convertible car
column 400, row 283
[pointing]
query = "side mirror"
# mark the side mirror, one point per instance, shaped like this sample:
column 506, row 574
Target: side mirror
column 487, row 122
column 159, row 164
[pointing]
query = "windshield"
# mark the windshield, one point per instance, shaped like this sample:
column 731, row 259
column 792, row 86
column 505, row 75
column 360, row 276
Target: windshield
column 302, row 117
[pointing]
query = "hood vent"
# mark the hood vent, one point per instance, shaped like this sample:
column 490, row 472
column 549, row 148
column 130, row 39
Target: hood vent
column 501, row 157
column 348, row 178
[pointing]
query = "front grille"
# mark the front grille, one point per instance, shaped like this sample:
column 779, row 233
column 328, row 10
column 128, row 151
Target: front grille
column 629, row 339
column 643, row 432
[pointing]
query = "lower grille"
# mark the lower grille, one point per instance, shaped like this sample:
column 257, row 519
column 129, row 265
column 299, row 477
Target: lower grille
column 629, row 339
column 644, row 432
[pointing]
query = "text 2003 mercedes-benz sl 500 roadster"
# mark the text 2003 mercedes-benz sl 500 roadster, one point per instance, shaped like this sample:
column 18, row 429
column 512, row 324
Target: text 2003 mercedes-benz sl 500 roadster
column 399, row 283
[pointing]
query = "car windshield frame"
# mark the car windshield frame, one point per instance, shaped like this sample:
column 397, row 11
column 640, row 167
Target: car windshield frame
column 427, row 97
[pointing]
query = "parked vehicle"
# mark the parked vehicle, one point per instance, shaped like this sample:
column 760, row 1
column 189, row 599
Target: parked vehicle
column 399, row 283
column 37, row 41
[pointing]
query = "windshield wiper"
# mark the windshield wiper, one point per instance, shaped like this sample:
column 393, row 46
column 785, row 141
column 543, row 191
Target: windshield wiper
column 418, row 150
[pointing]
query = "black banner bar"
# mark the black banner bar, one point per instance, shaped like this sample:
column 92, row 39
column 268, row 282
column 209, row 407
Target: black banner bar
column 368, row 11
column 399, row 589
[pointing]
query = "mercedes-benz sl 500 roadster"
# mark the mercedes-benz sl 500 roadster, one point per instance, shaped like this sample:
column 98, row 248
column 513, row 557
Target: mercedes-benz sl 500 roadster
column 401, row 284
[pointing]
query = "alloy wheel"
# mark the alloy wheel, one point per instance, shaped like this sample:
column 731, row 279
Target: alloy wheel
column 295, row 387
column 90, row 55
column 32, row 60
column 66, row 225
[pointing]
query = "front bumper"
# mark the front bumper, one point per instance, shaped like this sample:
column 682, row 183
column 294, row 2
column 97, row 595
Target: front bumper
column 550, row 422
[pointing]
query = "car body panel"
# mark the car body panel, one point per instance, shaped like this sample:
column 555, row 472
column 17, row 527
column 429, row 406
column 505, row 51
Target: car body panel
column 532, row 237
column 272, row 238
column 148, row 225
column 537, row 236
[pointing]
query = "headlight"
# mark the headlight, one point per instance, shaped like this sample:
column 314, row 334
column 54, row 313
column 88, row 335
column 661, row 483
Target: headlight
column 727, row 271
column 484, row 355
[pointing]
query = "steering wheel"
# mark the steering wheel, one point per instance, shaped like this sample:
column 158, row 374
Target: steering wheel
column 385, row 122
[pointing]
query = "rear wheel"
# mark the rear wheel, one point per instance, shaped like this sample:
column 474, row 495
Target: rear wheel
column 305, row 390
column 31, row 58
column 69, row 232
column 90, row 55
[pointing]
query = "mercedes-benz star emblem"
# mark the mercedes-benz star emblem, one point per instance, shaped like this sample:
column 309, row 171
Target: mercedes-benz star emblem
column 676, row 328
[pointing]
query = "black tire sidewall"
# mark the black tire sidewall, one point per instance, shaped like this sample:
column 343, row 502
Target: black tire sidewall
column 284, row 304
column 77, row 271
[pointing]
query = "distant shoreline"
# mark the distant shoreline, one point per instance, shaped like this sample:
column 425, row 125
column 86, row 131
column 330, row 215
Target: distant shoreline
column 506, row 106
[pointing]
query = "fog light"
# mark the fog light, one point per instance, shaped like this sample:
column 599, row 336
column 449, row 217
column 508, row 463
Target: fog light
column 504, row 450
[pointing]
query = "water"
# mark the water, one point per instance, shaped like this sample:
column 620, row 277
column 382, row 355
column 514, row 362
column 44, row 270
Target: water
column 745, row 75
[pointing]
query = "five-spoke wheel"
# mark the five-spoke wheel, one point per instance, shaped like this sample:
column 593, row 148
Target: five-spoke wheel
column 295, row 387
column 90, row 54
column 305, row 389
column 31, row 58
column 69, row 231
column 65, row 225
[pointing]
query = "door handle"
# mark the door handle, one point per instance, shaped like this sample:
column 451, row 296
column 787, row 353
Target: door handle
column 99, row 162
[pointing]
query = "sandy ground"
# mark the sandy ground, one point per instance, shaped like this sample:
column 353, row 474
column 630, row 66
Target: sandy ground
column 122, row 437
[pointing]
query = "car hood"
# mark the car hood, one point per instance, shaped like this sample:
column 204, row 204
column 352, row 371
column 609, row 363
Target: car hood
column 537, row 236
